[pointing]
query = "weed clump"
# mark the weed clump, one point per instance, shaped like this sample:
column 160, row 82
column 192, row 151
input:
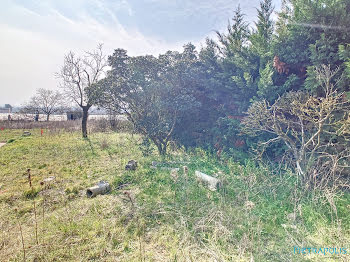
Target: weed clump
column 104, row 144
column 72, row 190
column 31, row 193
column 123, row 180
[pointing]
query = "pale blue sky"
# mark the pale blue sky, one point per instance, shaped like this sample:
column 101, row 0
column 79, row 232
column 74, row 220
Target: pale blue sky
column 35, row 34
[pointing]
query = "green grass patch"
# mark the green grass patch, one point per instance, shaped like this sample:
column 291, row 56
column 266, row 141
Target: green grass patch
column 149, row 215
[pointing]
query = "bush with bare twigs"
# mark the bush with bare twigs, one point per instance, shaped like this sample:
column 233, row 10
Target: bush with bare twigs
column 314, row 129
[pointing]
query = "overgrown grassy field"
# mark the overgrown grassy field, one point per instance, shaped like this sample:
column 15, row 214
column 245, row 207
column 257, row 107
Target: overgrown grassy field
column 258, row 215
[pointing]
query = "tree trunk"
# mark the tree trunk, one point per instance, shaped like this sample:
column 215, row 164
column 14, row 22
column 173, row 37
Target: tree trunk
column 84, row 120
column 161, row 148
column 164, row 149
column 47, row 117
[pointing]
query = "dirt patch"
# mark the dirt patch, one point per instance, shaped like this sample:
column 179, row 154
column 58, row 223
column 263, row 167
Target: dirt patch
column 2, row 144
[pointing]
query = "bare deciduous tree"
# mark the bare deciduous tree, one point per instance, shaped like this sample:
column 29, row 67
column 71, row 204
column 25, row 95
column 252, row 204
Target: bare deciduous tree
column 77, row 76
column 29, row 109
column 45, row 102
column 48, row 102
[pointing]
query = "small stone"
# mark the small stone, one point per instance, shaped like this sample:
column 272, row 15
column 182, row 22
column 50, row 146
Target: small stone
column 289, row 226
column 132, row 164
column 26, row 133
column 49, row 179
column 292, row 216
column 249, row 205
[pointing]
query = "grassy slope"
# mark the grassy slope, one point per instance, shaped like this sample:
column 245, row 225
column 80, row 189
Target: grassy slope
column 165, row 220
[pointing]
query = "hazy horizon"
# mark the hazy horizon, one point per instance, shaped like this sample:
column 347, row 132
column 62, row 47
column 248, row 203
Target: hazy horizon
column 37, row 34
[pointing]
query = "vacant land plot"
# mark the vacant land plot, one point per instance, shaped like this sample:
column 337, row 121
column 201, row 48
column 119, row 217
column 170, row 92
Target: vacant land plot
column 149, row 214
